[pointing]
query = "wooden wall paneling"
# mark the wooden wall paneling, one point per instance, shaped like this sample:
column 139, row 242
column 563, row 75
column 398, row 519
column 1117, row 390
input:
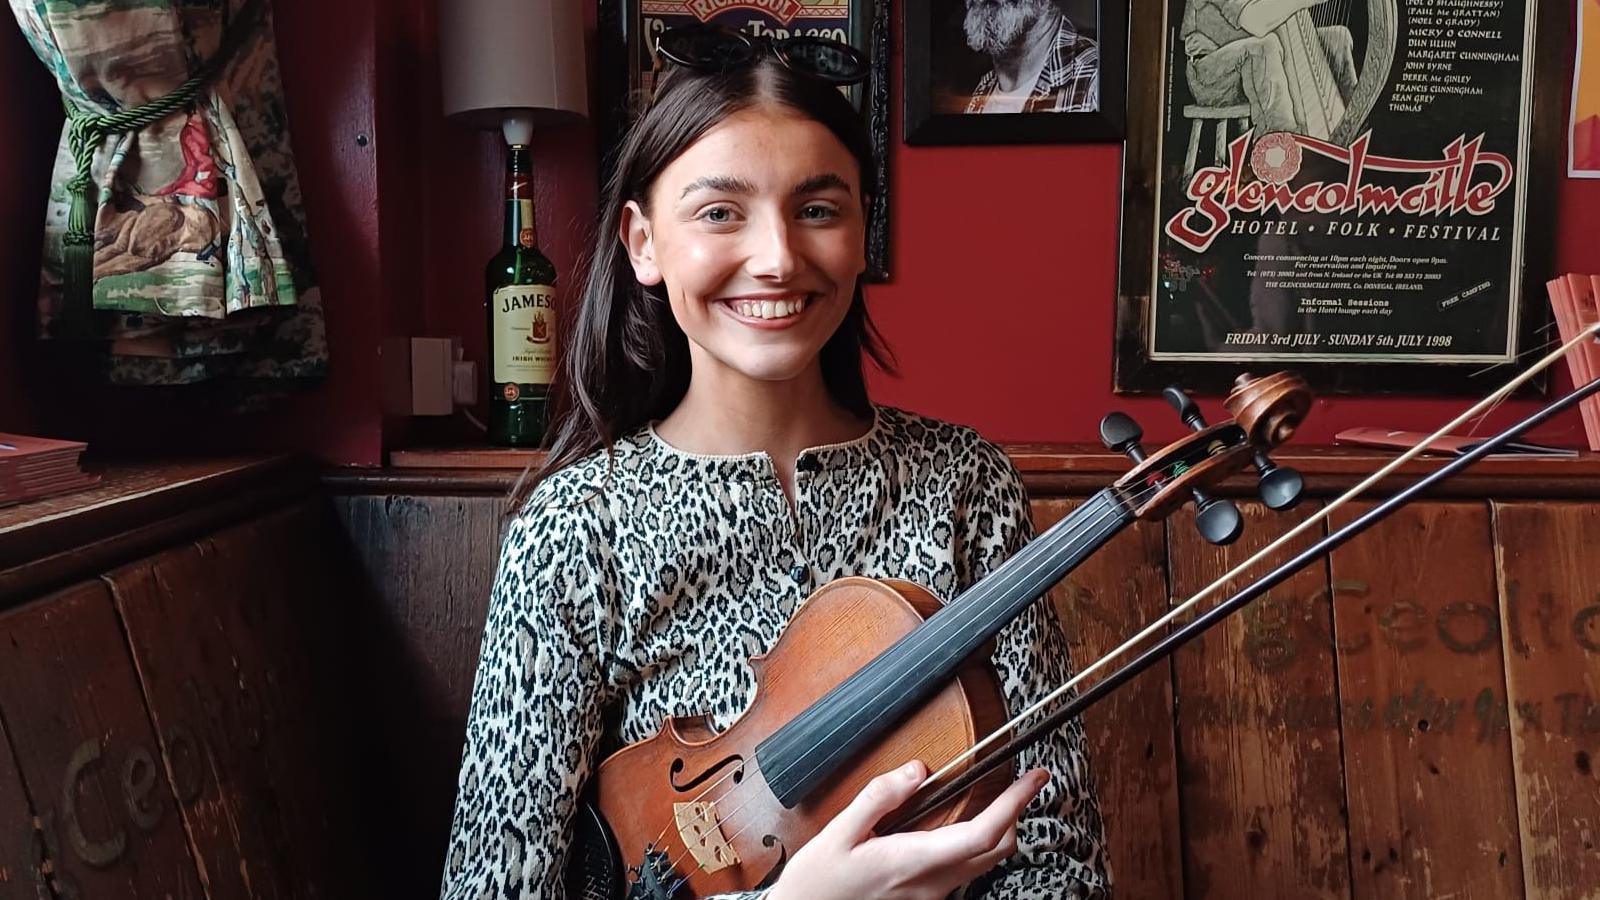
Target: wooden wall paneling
column 299, row 609
column 1116, row 592
column 1550, row 615
column 86, row 752
column 20, row 852
column 1427, row 753
column 1258, row 731
column 426, row 565
column 223, row 632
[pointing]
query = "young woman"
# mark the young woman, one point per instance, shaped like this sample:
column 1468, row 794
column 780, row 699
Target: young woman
column 718, row 460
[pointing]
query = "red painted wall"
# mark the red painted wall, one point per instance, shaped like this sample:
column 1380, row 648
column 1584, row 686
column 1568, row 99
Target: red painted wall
column 1000, row 311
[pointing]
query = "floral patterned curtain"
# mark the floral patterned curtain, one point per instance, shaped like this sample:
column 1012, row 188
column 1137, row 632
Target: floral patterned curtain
column 201, row 263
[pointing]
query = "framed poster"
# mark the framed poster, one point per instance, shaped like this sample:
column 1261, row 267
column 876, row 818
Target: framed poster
column 1015, row 71
column 1354, row 189
column 1583, row 147
column 627, row 31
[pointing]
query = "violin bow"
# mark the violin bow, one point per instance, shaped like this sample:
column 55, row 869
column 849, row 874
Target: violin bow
column 1160, row 650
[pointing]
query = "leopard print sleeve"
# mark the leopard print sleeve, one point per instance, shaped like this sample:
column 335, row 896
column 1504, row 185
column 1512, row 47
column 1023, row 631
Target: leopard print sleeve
column 1060, row 844
column 535, row 714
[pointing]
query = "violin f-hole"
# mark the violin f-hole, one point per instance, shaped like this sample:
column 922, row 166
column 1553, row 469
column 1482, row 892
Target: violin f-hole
column 678, row 767
column 771, row 878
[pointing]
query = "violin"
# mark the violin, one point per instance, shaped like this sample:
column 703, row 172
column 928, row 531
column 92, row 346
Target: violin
column 872, row 673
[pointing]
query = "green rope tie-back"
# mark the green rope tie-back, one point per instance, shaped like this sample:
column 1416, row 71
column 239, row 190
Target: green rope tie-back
column 85, row 132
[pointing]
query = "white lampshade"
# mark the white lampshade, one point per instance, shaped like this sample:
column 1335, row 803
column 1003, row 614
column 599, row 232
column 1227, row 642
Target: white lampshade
column 513, row 63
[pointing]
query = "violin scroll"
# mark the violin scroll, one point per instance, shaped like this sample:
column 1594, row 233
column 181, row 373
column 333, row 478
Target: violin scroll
column 1269, row 409
column 1266, row 411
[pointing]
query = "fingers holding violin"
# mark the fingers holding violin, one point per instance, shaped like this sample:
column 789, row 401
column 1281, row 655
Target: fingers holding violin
column 991, row 836
column 881, row 796
column 847, row 860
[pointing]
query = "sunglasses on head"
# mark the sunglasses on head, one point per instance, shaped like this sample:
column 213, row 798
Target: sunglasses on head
column 715, row 48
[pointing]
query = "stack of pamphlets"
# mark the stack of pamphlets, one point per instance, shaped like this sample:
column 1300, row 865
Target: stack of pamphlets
column 34, row 467
column 1449, row 445
column 1573, row 299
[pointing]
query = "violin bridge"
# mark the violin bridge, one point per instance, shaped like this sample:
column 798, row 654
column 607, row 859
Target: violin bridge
column 701, row 832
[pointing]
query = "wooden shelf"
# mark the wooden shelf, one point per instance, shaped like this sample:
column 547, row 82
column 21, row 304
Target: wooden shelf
column 1047, row 469
column 464, row 458
column 133, row 510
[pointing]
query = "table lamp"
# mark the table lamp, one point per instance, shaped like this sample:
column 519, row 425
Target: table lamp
column 515, row 65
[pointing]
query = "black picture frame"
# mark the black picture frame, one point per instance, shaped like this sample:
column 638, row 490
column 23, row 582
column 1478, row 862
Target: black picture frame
column 1135, row 372
column 924, row 126
column 622, row 30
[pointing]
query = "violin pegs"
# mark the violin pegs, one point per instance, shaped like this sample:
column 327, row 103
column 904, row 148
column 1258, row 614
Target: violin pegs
column 1280, row 487
column 1119, row 432
column 1186, row 408
column 1217, row 520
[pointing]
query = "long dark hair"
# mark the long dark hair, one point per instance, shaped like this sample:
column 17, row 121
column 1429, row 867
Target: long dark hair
column 627, row 361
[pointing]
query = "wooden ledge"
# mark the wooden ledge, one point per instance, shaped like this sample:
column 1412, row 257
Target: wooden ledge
column 135, row 509
column 1049, row 470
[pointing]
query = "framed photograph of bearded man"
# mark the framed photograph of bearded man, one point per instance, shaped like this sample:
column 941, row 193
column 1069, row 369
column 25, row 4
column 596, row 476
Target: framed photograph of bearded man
column 1357, row 190
column 1014, row 71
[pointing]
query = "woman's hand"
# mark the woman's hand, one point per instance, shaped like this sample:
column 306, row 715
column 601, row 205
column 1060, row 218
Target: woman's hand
column 847, row 861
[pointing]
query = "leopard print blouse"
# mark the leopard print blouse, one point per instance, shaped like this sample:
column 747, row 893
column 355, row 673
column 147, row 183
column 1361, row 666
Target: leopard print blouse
column 629, row 593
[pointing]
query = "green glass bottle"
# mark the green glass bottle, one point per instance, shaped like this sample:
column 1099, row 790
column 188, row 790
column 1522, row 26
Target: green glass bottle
column 522, row 321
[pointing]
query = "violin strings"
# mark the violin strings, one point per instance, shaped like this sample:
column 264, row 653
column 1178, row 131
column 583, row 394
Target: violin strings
column 728, row 840
column 1066, row 537
column 988, row 588
column 699, row 817
column 701, row 796
column 1069, row 534
column 1216, row 585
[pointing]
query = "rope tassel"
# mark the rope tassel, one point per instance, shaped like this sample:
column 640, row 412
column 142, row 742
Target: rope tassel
column 77, row 245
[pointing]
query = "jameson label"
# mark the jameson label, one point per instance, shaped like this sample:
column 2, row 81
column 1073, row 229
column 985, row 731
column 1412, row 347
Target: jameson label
column 524, row 334
column 1342, row 181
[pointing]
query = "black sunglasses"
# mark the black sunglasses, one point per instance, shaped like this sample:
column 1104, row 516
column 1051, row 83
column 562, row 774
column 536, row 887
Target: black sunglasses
column 715, row 48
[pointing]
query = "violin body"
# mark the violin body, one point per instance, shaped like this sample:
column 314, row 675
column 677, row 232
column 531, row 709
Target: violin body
column 653, row 795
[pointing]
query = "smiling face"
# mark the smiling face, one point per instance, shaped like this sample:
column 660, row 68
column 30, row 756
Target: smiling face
column 757, row 230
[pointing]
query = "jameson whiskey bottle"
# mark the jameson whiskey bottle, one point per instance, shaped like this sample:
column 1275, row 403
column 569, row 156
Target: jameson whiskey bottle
column 522, row 323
